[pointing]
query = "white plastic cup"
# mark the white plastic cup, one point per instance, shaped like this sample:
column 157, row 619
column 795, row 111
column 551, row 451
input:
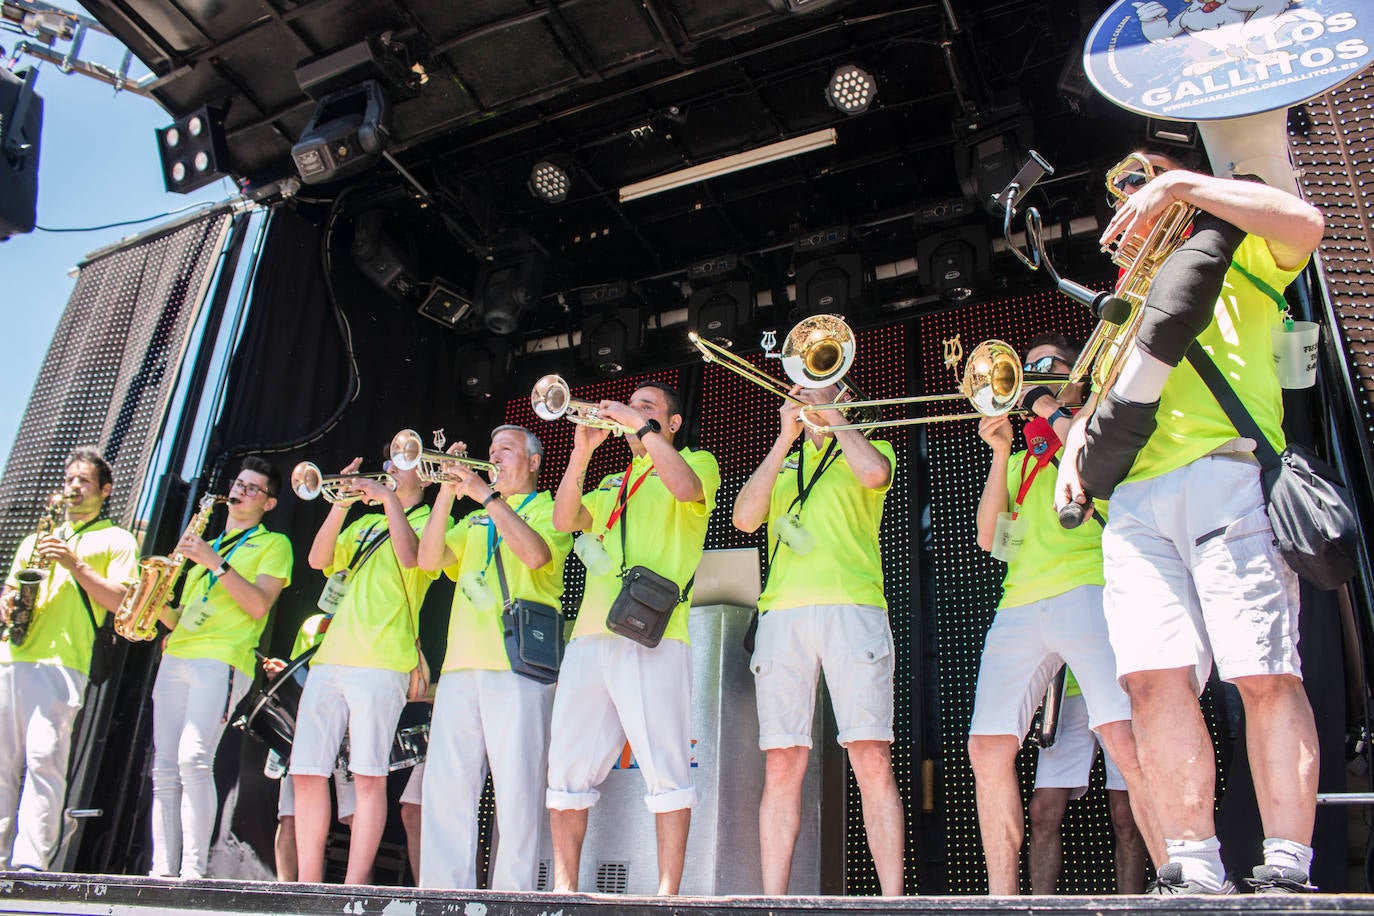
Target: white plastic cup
column 1295, row 353
column 1008, row 537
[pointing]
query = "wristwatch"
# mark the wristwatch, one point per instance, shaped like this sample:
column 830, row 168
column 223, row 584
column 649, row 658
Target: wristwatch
column 650, row 426
column 222, row 569
column 1060, row 412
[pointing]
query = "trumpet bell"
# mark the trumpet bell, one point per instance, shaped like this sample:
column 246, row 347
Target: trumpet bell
column 818, row 351
column 406, row 449
column 550, row 397
column 992, row 378
column 306, row 480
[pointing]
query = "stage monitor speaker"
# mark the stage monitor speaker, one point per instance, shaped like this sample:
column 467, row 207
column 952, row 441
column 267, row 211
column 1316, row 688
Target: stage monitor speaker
column 21, row 126
column 831, row 285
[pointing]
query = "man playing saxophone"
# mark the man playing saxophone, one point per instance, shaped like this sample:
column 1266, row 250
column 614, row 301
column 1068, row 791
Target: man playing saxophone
column 207, row 664
column 1193, row 574
column 43, row 681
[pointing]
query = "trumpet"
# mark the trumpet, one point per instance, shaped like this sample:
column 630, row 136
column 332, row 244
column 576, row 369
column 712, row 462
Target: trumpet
column 433, row 466
column 309, row 483
column 818, row 352
column 552, row 399
column 993, row 383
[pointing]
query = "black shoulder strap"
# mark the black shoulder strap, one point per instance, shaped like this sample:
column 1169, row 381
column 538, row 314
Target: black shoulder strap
column 624, row 523
column 86, row 602
column 1230, row 403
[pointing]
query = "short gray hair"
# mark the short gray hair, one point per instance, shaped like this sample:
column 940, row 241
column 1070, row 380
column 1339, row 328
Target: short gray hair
column 532, row 444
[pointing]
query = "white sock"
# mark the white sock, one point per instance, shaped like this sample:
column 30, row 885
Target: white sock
column 1288, row 854
column 1200, row 859
column 1142, row 378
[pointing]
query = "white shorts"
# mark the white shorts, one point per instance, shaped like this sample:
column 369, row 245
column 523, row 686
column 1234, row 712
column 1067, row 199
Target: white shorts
column 1193, row 575
column 364, row 702
column 1068, row 763
column 852, row 643
column 1025, row 647
column 343, row 792
column 612, row 689
column 415, row 784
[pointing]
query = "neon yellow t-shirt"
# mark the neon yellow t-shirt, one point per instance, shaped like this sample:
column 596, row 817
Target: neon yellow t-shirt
column 1071, row 688
column 665, row 535
column 846, row 565
column 230, row 634
column 476, row 638
column 377, row 622
column 61, row 633
column 1191, row 422
column 1052, row 559
column 308, row 635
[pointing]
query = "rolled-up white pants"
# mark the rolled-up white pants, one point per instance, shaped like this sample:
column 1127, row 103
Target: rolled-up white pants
column 38, row 706
column 480, row 718
column 192, row 700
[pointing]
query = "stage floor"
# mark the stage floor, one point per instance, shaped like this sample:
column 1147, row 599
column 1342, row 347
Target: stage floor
column 109, row 894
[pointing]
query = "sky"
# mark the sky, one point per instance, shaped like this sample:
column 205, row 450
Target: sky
column 98, row 165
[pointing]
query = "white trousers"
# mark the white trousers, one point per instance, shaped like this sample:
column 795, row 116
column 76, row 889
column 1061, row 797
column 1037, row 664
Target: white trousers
column 38, row 706
column 192, row 700
column 485, row 718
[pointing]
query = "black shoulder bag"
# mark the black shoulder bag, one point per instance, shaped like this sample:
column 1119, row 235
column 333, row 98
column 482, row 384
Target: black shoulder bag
column 646, row 601
column 1307, row 502
column 533, row 634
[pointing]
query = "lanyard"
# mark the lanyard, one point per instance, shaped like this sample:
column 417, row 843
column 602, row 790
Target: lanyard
column 493, row 539
column 233, row 545
column 623, row 498
column 804, row 489
column 1026, row 480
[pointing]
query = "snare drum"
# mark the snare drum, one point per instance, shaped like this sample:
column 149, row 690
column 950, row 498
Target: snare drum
column 268, row 714
column 408, row 748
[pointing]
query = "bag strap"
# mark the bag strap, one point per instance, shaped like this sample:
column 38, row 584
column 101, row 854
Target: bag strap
column 501, row 577
column 624, row 523
column 1232, row 405
column 86, row 603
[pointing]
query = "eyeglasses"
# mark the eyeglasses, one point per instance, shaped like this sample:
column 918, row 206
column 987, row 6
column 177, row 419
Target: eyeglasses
column 251, row 489
column 1044, row 364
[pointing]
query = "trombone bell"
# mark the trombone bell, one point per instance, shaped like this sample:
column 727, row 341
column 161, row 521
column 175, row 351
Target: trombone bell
column 818, row 351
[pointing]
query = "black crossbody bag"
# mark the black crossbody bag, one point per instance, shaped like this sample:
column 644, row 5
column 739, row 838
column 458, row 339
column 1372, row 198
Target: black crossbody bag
column 646, row 601
column 1306, row 500
column 533, row 633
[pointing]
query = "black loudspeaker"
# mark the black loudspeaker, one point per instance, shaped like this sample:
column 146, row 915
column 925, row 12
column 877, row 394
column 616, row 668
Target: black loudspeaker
column 610, row 337
column 507, row 288
column 720, row 311
column 21, row 126
column 830, row 285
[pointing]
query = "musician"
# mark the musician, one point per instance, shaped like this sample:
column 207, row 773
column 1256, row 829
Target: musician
column 1050, row 614
column 368, row 665
column 1061, row 775
column 611, row 687
column 485, row 715
column 1193, row 573
column 823, row 608
column 284, row 846
column 43, row 681
column 208, row 664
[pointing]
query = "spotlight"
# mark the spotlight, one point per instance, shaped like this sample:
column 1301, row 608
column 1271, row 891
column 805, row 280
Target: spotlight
column 721, row 311
column 347, row 134
column 509, row 285
column 448, row 306
column 378, row 257
column 193, row 151
column 830, row 285
column 550, row 181
column 950, row 263
column 482, row 368
column 610, row 337
column 852, row 89
column 987, row 158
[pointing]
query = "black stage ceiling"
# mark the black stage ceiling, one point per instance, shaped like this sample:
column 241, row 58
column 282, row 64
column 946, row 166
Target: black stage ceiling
column 618, row 91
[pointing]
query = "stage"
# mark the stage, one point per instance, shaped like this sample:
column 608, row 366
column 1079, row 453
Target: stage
column 111, row 894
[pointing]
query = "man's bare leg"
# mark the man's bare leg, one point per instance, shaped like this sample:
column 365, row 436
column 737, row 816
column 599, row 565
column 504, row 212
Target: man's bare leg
column 569, row 829
column 780, row 814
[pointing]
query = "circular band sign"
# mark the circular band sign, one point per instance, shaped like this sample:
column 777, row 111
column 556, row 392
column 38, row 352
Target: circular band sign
column 1201, row 60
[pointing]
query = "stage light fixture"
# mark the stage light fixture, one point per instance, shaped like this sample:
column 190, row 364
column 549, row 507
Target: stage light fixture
column 852, row 89
column 449, row 306
column 482, row 368
column 952, row 263
column 550, row 181
column 610, row 337
column 509, row 285
column 379, row 258
column 720, row 311
column 193, row 151
column 833, row 284
column 347, row 134
column 794, row 146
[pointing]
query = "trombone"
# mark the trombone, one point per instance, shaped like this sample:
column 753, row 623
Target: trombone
column 818, row 352
column 309, row 483
column 433, row 466
column 552, row 399
column 993, row 383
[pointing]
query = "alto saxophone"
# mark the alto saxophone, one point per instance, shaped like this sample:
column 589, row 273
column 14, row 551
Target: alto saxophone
column 23, row 602
column 145, row 600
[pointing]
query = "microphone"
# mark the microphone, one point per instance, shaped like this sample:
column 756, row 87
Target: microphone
column 1072, row 515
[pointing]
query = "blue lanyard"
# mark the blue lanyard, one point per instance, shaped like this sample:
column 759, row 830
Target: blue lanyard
column 235, row 546
column 493, row 541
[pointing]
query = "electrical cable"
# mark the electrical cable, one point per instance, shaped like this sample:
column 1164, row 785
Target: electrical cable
column 127, row 222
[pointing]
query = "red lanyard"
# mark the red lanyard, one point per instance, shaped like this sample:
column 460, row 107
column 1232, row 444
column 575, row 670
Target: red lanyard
column 622, row 498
